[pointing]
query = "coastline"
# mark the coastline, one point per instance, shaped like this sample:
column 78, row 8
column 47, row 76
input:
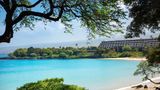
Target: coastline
column 127, row 58
column 150, row 85
column 123, row 58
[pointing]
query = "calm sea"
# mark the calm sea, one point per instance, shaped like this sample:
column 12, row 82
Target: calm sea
column 92, row 74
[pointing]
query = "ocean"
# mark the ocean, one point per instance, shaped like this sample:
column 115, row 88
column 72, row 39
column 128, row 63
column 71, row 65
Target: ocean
column 93, row 74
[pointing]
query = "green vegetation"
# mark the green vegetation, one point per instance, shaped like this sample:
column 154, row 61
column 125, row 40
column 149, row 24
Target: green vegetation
column 145, row 16
column 148, row 71
column 150, row 68
column 50, row 84
column 97, row 16
column 70, row 52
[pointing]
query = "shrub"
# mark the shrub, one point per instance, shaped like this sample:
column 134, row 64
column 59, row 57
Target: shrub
column 137, row 54
column 50, row 84
column 63, row 55
column 125, row 54
column 111, row 54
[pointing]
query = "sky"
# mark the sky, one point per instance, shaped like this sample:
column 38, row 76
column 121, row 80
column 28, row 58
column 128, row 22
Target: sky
column 54, row 33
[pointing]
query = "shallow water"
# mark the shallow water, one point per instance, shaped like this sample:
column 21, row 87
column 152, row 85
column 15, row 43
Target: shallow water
column 92, row 74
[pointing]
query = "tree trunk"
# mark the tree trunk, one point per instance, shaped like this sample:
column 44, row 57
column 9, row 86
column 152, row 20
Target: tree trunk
column 8, row 34
column 153, row 81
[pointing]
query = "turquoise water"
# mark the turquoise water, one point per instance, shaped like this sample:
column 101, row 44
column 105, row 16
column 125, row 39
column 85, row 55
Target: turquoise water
column 3, row 55
column 92, row 74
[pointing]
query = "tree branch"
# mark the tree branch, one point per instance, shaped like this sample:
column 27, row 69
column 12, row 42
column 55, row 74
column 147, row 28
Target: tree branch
column 7, row 4
column 43, row 15
column 51, row 8
column 29, row 6
column 150, row 79
column 28, row 13
column 14, row 6
column 74, row 13
column 3, row 5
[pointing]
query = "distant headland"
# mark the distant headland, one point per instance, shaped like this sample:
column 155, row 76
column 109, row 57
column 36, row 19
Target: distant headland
column 107, row 49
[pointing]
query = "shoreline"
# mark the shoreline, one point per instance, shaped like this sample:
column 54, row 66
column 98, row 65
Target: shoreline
column 127, row 58
column 150, row 85
column 123, row 58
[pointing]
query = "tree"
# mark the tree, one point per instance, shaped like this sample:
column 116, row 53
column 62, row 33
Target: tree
column 63, row 55
column 20, row 52
column 30, row 50
column 125, row 54
column 98, row 52
column 153, row 55
column 50, row 84
column 148, row 71
column 126, row 48
column 111, row 54
column 151, row 67
column 101, row 17
column 33, row 55
column 47, row 51
column 145, row 15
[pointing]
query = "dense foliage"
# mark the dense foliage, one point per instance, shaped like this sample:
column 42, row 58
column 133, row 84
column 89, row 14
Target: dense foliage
column 145, row 15
column 100, row 17
column 154, row 55
column 50, row 84
column 70, row 52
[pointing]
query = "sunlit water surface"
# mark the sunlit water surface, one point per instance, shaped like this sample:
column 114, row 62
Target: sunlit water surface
column 90, row 73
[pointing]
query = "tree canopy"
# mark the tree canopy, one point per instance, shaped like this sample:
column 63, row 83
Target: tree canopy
column 101, row 17
column 145, row 15
column 70, row 52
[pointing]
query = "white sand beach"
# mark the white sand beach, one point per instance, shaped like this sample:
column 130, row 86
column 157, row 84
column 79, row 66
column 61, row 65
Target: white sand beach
column 127, row 58
column 150, row 85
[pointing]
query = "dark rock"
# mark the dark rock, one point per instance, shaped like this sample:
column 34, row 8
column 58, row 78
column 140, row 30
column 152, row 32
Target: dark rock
column 138, row 86
column 157, row 88
column 145, row 86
